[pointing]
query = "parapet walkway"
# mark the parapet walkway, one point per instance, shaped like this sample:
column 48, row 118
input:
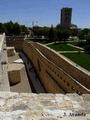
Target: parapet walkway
column 75, row 46
column 4, row 83
column 25, row 106
column 69, row 51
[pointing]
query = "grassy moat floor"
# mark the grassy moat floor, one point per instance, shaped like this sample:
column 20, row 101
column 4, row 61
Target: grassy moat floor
column 80, row 58
column 62, row 47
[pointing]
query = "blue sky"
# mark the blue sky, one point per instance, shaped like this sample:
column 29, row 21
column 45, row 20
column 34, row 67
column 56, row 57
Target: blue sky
column 46, row 12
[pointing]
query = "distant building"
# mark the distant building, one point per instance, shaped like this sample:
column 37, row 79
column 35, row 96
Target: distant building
column 66, row 15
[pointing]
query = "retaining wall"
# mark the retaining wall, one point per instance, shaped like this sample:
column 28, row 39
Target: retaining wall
column 51, row 69
column 54, row 78
column 17, row 42
column 4, row 82
column 60, row 61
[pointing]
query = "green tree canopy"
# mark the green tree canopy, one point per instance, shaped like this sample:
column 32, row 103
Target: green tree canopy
column 11, row 28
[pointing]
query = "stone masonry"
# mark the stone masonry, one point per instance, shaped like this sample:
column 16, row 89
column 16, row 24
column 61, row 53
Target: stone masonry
column 30, row 106
column 25, row 106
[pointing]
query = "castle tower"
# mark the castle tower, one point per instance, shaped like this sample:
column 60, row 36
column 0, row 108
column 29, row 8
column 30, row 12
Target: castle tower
column 66, row 14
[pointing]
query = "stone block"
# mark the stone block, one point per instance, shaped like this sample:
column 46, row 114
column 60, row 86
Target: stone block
column 10, row 51
column 14, row 73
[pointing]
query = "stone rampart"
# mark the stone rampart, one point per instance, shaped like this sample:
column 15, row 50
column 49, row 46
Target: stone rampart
column 4, row 83
column 53, row 78
column 17, row 42
column 60, row 61
column 53, row 70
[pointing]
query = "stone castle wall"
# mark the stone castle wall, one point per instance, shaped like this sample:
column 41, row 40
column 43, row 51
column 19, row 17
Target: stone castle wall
column 54, row 78
column 49, row 68
column 17, row 42
column 4, row 82
column 74, row 71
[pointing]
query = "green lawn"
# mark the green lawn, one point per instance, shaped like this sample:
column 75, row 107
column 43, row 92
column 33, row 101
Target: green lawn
column 62, row 47
column 82, row 59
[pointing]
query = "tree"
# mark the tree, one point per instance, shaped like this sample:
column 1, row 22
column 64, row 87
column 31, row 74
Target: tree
column 63, row 34
column 87, row 37
column 24, row 30
column 11, row 28
column 51, row 34
column 1, row 28
column 16, row 29
column 73, row 32
column 87, row 47
column 82, row 34
column 41, row 31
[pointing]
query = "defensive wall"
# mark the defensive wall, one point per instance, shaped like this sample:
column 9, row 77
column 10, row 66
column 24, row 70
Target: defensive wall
column 79, row 74
column 54, row 78
column 17, row 42
column 4, row 82
column 54, row 72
